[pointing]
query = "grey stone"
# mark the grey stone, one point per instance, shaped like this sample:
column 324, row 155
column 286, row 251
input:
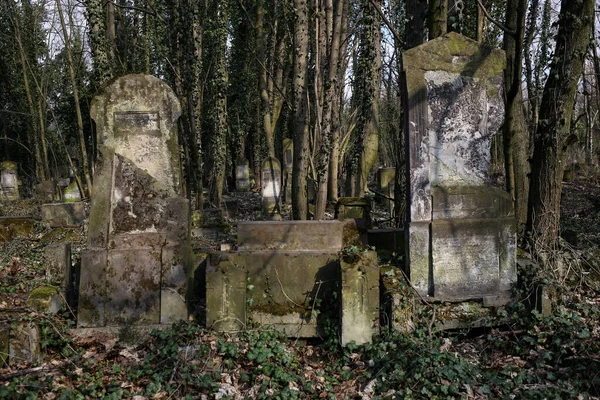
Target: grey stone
column 461, row 235
column 271, row 188
column 46, row 299
column 71, row 193
column 360, row 297
column 290, row 235
column 139, row 251
column 57, row 264
column 357, row 208
column 225, row 295
column 9, row 181
column 242, row 175
column 58, row 215
column 24, row 344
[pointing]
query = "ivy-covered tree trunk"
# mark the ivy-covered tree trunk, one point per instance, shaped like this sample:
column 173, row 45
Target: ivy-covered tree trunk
column 437, row 18
column 416, row 11
column 334, row 31
column 300, row 122
column 97, row 37
column 516, row 137
column 216, row 100
column 553, row 135
column 365, row 146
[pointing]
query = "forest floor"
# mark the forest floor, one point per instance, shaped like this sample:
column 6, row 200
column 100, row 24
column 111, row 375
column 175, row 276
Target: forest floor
column 525, row 356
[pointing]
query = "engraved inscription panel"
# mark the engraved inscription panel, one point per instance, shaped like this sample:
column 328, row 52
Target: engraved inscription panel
column 133, row 123
column 465, row 259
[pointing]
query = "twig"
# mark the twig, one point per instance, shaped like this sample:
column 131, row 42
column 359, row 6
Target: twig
column 430, row 326
column 36, row 370
column 493, row 21
column 283, row 291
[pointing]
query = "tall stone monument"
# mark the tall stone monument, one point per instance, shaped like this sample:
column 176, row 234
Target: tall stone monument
column 461, row 231
column 135, row 269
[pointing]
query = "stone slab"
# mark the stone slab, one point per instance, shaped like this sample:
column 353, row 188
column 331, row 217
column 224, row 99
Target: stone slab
column 360, row 297
column 470, row 202
column 92, row 289
column 15, row 226
column 56, row 215
column 57, row 264
column 290, row 235
column 226, row 288
column 133, row 287
column 465, row 258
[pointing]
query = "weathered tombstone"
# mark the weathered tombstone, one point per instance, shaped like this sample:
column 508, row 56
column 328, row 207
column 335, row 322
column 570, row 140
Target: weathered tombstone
column 72, row 193
column 386, row 179
column 288, row 166
column 271, row 188
column 242, row 175
column 57, row 265
column 357, row 208
column 56, row 215
column 9, row 182
column 360, row 297
column 461, row 235
column 47, row 191
column 134, row 271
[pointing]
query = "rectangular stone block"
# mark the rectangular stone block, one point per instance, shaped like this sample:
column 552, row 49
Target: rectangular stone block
column 465, row 258
column 133, row 287
column 57, row 258
column 24, row 344
column 92, row 289
column 58, row 215
column 290, row 235
column 470, row 202
column 418, row 236
column 360, row 297
column 225, row 295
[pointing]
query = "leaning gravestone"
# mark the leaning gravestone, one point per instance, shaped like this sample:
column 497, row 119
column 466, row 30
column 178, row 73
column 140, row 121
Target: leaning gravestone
column 134, row 271
column 9, row 182
column 242, row 175
column 271, row 188
column 461, row 231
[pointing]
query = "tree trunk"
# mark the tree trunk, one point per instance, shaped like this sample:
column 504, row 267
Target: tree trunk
column 300, row 124
column 516, row 137
column 553, row 134
column 368, row 77
column 416, row 11
column 327, row 139
column 216, row 109
column 84, row 157
column 437, row 18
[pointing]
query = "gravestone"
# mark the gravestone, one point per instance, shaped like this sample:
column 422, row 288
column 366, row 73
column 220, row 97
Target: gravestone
column 271, row 188
column 288, row 167
column 71, row 193
column 134, row 271
column 461, row 234
column 9, row 182
column 242, row 175
column 386, row 181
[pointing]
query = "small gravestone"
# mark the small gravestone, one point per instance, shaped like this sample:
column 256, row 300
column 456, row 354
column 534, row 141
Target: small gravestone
column 71, row 193
column 385, row 180
column 242, row 175
column 288, row 166
column 61, row 215
column 47, row 191
column 134, row 271
column 461, row 235
column 57, row 265
column 271, row 188
column 9, row 182
column 357, row 208
column 360, row 297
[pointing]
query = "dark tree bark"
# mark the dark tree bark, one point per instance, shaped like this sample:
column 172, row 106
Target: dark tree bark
column 516, row 138
column 300, row 123
column 437, row 18
column 553, row 134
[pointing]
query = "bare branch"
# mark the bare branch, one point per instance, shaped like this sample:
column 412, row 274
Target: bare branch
column 493, row 21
